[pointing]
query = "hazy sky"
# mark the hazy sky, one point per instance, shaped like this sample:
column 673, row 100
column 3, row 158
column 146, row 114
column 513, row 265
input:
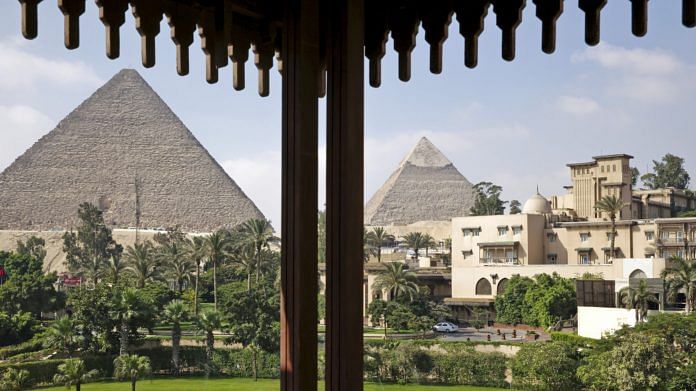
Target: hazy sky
column 516, row 124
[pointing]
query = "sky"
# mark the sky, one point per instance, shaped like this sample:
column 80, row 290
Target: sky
column 516, row 124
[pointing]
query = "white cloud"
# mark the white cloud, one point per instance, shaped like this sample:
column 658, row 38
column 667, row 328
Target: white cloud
column 636, row 61
column 20, row 69
column 577, row 105
column 20, row 127
column 643, row 75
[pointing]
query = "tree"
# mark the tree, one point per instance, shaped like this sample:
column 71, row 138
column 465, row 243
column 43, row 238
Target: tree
column 206, row 323
column 680, row 277
column 131, row 367
column 509, row 306
column 16, row 328
column 98, row 333
column 378, row 237
column 635, row 174
column 321, row 236
column 174, row 313
column 253, row 320
column 114, row 267
column 515, row 207
column 637, row 362
column 88, row 249
column 397, row 281
column 179, row 267
column 258, row 234
column 143, row 264
column 245, row 259
column 72, row 372
column 14, row 380
column 26, row 288
column 550, row 299
column 428, row 242
column 127, row 307
column 611, row 205
column 545, row 366
column 217, row 247
column 487, row 200
column 638, row 298
column 196, row 251
column 416, row 241
column 669, row 172
column 368, row 248
column 63, row 335
column 34, row 247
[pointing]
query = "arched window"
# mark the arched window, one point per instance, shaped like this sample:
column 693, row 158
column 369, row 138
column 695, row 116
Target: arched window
column 501, row 286
column 637, row 274
column 483, row 287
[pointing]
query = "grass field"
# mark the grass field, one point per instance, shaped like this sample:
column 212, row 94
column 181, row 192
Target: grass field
column 242, row 385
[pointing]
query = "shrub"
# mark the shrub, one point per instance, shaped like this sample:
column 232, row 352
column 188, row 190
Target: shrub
column 33, row 345
column 572, row 339
column 545, row 366
column 469, row 367
column 239, row 363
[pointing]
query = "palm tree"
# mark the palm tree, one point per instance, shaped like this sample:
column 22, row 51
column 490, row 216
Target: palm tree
column 427, row 242
column 206, row 323
column 217, row 247
column 14, row 380
column 142, row 263
column 257, row 233
column 131, row 367
column 680, row 277
column 415, row 240
column 127, row 307
column 378, row 237
column 368, row 248
column 612, row 206
column 114, row 267
column 245, row 259
column 396, row 280
column 62, row 335
column 196, row 251
column 72, row 372
column 179, row 266
column 175, row 313
column 638, row 298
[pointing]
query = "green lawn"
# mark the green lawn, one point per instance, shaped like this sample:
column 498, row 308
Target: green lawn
column 242, row 385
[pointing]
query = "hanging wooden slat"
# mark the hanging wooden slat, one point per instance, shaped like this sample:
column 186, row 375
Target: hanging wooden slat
column 437, row 17
column 689, row 13
column 72, row 9
column 592, row 9
column 471, row 15
column 508, row 17
column 238, row 50
column 30, row 18
column 548, row 11
column 263, row 59
column 206, row 30
column 148, row 15
column 182, row 22
column 403, row 22
column 376, row 36
column 112, row 13
column 639, row 17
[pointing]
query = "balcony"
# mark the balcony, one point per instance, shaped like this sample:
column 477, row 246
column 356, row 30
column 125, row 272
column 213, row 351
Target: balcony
column 670, row 242
column 499, row 261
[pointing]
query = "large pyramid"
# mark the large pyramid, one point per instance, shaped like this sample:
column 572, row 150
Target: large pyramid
column 425, row 187
column 121, row 147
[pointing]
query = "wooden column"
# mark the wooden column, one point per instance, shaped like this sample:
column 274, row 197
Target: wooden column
column 344, row 196
column 298, row 314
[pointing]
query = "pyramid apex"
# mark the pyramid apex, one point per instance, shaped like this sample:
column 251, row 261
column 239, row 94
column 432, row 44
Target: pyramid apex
column 426, row 154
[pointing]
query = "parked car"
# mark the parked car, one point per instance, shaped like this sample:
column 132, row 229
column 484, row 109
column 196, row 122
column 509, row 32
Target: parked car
column 446, row 327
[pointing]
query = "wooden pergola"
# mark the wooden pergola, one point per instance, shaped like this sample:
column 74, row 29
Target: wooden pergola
column 320, row 48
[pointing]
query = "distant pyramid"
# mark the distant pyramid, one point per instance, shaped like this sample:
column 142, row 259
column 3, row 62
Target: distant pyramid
column 122, row 141
column 425, row 187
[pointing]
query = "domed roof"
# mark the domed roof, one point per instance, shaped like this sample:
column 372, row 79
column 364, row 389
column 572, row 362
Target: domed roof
column 537, row 205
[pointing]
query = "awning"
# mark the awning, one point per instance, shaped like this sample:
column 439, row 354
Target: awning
column 616, row 249
column 498, row 244
column 584, row 249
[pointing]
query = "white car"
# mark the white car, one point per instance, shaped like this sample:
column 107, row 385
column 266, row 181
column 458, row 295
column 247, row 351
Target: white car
column 446, row 327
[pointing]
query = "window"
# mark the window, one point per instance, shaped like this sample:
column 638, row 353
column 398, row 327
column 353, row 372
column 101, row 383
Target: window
column 466, row 232
column 649, row 235
column 609, row 235
column 551, row 259
column 680, row 236
column 614, row 168
column 602, row 169
column 467, row 253
column 664, row 235
column 471, row 231
column 476, row 232
column 585, row 236
column 502, row 231
column 517, row 230
column 552, row 238
column 483, row 287
column 585, row 258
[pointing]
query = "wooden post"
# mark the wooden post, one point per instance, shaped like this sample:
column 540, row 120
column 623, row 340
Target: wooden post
column 298, row 313
column 344, row 196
